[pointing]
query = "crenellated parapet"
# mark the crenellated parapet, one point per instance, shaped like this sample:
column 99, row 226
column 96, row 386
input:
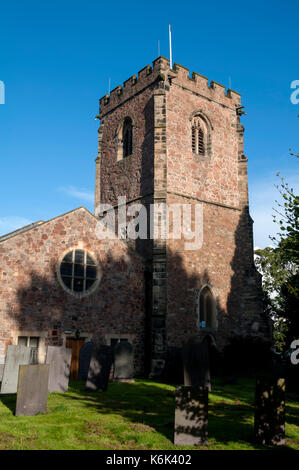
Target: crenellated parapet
column 135, row 84
column 198, row 83
column 179, row 75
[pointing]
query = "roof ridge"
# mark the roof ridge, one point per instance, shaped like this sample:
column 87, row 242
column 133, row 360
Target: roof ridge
column 21, row 230
column 25, row 228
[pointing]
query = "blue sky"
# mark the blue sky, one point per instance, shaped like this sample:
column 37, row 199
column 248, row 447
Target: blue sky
column 56, row 59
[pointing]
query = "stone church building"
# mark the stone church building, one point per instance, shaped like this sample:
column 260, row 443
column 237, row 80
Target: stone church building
column 165, row 138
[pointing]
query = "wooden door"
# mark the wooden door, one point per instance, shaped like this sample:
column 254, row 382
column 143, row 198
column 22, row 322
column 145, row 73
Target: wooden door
column 75, row 345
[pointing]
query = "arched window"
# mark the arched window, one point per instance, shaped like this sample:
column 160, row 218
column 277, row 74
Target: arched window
column 201, row 133
column 198, row 136
column 206, row 309
column 125, row 139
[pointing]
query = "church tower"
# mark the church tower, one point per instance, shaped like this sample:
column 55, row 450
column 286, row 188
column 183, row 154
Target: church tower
column 169, row 139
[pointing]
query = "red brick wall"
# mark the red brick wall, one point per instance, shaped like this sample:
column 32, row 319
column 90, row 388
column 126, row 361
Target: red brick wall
column 224, row 262
column 164, row 164
column 31, row 297
column 132, row 176
column 215, row 177
column 218, row 181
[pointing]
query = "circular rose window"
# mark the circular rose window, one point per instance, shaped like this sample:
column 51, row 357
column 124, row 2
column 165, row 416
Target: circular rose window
column 78, row 271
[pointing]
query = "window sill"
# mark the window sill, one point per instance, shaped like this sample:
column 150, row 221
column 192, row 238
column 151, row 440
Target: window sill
column 206, row 329
column 124, row 159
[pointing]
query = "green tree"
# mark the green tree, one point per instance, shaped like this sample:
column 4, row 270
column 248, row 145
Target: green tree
column 279, row 266
column 269, row 264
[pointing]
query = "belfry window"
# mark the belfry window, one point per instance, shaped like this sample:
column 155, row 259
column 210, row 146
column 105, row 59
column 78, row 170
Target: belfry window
column 198, row 137
column 78, row 271
column 127, row 137
column 206, row 309
column 124, row 135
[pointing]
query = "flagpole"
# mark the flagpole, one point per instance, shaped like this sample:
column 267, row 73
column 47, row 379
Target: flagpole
column 170, row 48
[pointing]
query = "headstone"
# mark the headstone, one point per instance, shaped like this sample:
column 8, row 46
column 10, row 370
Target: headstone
column 84, row 360
column 174, row 369
column 191, row 416
column 59, row 359
column 269, row 420
column 1, row 371
column 123, row 361
column 196, row 363
column 292, row 377
column 15, row 356
column 32, row 394
column 99, row 368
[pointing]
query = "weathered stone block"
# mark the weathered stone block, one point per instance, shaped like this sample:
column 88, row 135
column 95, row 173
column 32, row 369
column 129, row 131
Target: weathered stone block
column 99, row 368
column 196, row 363
column 191, row 416
column 1, row 371
column 174, row 369
column 84, row 360
column 59, row 359
column 15, row 356
column 269, row 420
column 32, row 394
column 123, row 361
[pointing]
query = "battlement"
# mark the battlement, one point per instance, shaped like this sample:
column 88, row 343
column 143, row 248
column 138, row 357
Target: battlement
column 200, row 84
column 134, row 84
column 179, row 75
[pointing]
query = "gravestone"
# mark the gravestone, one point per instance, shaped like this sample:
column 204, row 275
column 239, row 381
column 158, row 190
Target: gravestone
column 1, row 371
column 123, row 361
column 174, row 369
column 15, row 356
column 191, row 416
column 32, row 394
column 292, row 377
column 269, row 419
column 59, row 359
column 196, row 363
column 84, row 360
column 99, row 368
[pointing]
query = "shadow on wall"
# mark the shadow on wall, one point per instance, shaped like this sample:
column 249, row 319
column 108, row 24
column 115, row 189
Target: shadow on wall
column 44, row 306
column 243, row 323
column 249, row 349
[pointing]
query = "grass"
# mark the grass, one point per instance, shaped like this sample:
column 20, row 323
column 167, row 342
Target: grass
column 137, row 415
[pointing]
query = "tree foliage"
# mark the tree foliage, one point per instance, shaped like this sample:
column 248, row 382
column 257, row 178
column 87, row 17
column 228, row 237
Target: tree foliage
column 279, row 266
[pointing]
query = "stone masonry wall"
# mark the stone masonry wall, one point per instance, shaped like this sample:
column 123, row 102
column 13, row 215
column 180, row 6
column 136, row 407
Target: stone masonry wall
column 32, row 298
column 218, row 181
column 224, row 263
column 163, row 168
